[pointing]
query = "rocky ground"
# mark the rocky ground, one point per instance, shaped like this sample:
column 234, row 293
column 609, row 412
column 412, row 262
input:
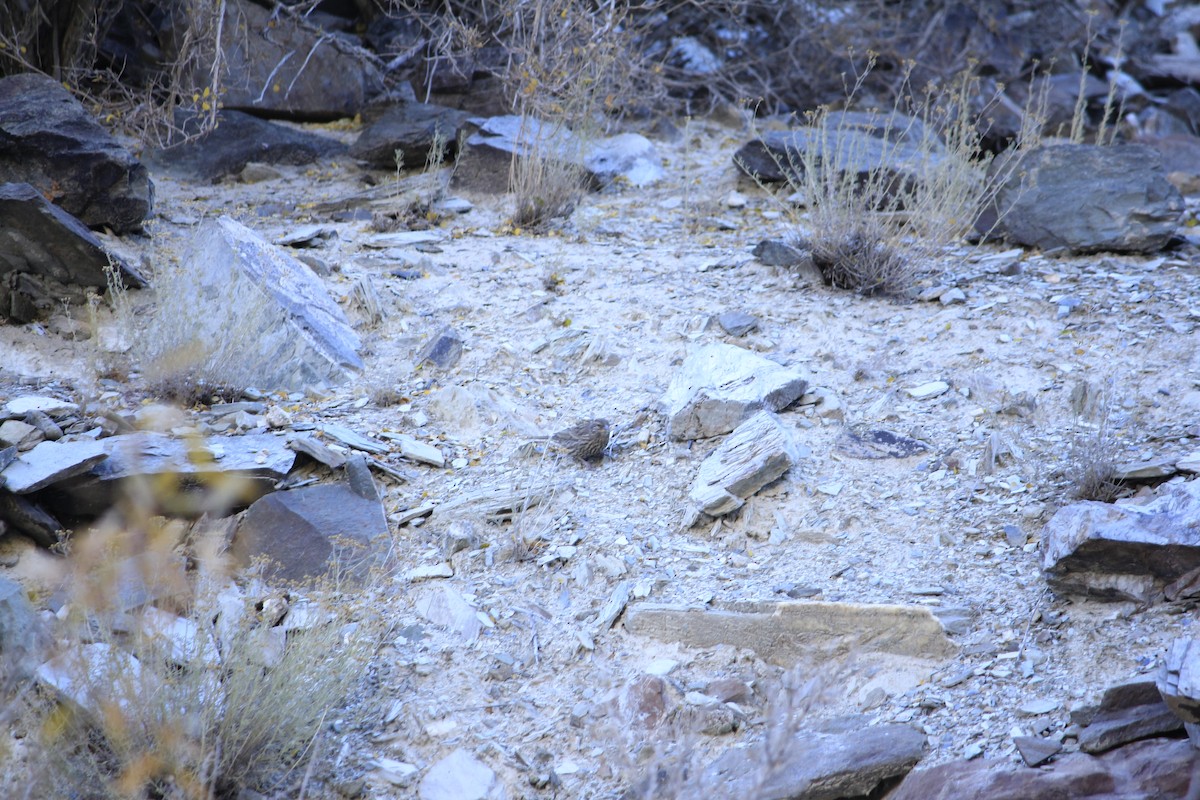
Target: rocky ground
column 593, row 320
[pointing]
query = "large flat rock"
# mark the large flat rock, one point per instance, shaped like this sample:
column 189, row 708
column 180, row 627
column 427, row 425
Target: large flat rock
column 51, row 462
column 786, row 633
column 1085, row 198
column 720, row 386
column 1124, row 551
column 302, row 337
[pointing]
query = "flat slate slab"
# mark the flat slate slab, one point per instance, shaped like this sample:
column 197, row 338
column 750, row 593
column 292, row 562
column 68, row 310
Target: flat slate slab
column 720, row 386
column 785, row 633
column 51, row 462
column 66, row 251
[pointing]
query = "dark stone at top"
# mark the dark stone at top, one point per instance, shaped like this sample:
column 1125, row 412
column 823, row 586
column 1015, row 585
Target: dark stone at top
column 237, row 140
column 48, row 140
column 412, row 128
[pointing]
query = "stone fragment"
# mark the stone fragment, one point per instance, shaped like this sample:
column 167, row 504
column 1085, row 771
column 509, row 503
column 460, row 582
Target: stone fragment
column 443, row 350
column 776, row 253
column 883, row 157
column 861, row 441
column 29, row 518
column 1084, row 198
column 306, row 533
column 49, row 141
column 51, row 462
column 1036, row 750
column 18, row 407
column 1156, row 768
column 445, row 606
column 737, row 323
column 245, row 468
column 458, row 776
column 1144, row 470
column 1179, row 683
column 757, row 452
column 783, row 633
column 46, row 426
column 23, row 637
column 1124, row 551
column 928, row 390
column 93, row 677
column 354, row 439
column 412, row 128
column 238, row 140
column 1112, row 726
column 819, row 766
column 720, row 386
column 1189, row 463
column 303, row 338
column 18, row 434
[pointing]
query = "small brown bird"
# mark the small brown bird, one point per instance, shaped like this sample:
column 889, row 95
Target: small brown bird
column 585, row 440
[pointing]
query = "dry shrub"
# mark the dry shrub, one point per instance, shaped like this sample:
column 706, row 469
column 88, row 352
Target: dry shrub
column 889, row 191
column 201, row 338
column 236, row 698
column 546, row 181
column 1092, row 457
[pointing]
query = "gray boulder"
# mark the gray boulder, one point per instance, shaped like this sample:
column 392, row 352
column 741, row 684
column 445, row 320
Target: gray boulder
column 303, row 339
column 756, row 453
column 53, row 251
column 48, row 140
column 720, row 386
column 1083, row 198
column 23, row 638
column 1124, row 551
column 305, row 533
column 277, row 63
column 413, row 129
column 819, row 766
column 238, row 140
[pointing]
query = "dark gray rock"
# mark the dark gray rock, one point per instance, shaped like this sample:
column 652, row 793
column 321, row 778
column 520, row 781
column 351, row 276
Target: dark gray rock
column 48, row 140
column 820, row 766
column 279, row 64
column 1156, row 768
column 25, row 516
column 775, row 253
column 737, row 323
column 720, row 386
column 861, row 441
column 238, row 140
column 23, row 638
column 41, row 239
column 1124, row 551
column 884, row 167
column 1126, row 712
column 1084, row 198
column 412, row 128
column 306, row 533
column 443, row 350
column 304, row 339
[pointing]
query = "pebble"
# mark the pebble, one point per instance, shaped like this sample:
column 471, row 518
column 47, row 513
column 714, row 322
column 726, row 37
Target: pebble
column 928, row 390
